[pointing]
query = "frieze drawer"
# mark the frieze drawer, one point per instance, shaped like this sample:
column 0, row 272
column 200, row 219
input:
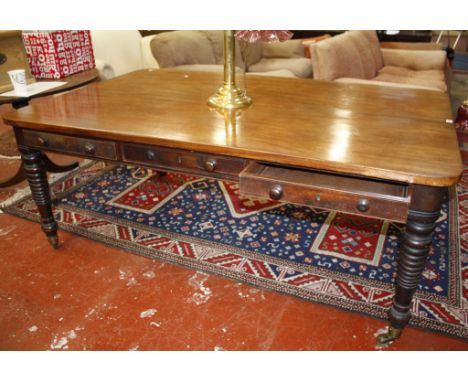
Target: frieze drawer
column 353, row 195
column 71, row 145
column 183, row 160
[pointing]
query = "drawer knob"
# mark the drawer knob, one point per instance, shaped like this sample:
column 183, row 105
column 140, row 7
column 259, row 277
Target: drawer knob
column 363, row 205
column 42, row 141
column 210, row 165
column 276, row 192
column 89, row 148
column 150, row 154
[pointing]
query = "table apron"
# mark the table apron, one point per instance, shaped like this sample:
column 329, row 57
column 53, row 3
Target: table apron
column 307, row 187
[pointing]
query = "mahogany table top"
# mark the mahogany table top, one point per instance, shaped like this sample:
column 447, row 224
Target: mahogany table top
column 381, row 132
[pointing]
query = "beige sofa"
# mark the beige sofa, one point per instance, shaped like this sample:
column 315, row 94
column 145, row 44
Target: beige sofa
column 203, row 50
column 357, row 57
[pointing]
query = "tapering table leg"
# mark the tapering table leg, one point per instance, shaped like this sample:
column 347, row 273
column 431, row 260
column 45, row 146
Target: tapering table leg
column 36, row 175
column 414, row 249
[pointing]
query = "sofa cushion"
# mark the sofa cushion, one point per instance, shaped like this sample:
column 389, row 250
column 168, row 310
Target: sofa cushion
column 207, row 68
column 374, row 47
column 415, row 59
column 200, row 68
column 182, row 47
column 306, row 42
column 285, row 49
column 301, row 67
column 216, row 39
column 239, row 71
column 364, row 49
column 251, row 53
column 274, row 73
column 252, row 50
column 336, row 57
column 427, row 78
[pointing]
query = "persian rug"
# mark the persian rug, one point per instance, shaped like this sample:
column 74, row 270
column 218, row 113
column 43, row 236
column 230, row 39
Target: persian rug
column 205, row 224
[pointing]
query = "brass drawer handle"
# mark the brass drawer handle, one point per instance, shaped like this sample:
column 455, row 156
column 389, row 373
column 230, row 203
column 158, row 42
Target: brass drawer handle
column 363, row 205
column 89, row 148
column 210, row 165
column 276, row 192
column 42, row 141
column 150, row 155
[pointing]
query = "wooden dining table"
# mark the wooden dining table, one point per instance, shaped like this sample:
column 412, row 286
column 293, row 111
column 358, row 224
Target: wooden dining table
column 376, row 151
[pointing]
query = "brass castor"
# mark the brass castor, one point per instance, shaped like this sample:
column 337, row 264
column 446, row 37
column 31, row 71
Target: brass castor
column 53, row 241
column 391, row 335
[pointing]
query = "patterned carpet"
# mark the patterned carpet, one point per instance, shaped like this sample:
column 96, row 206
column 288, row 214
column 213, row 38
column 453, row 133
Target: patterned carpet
column 337, row 259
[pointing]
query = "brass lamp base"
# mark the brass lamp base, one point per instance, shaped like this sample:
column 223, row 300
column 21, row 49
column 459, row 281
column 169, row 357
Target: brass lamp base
column 230, row 97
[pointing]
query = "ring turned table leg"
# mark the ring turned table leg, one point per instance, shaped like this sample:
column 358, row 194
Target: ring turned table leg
column 414, row 249
column 36, row 175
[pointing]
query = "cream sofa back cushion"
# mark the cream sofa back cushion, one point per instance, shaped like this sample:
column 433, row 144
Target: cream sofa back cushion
column 374, row 47
column 366, row 58
column 182, row 48
column 353, row 54
column 418, row 60
column 336, row 57
column 285, row 49
column 216, row 39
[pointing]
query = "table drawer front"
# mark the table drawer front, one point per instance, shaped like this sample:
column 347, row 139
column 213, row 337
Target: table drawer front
column 182, row 160
column 281, row 188
column 71, row 145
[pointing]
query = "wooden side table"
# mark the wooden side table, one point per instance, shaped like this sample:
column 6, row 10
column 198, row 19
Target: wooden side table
column 72, row 82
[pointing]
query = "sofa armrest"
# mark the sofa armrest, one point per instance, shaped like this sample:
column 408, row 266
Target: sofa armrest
column 415, row 59
column 147, row 59
column 105, row 70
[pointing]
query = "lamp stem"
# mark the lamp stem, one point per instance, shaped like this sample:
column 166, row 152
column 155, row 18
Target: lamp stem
column 229, row 96
column 229, row 59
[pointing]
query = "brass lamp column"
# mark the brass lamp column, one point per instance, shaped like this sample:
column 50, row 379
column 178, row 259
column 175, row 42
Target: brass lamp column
column 229, row 96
